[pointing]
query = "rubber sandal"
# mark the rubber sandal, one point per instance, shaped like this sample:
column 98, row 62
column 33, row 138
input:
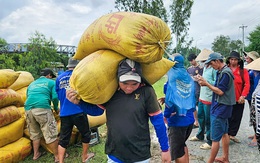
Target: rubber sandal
column 234, row 139
column 252, row 144
column 40, row 155
column 66, row 155
column 90, row 156
column 205, row 146
column 194, row 138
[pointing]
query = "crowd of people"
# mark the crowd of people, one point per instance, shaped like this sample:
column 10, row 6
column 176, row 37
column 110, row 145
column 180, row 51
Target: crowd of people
column 220, row 113
column 213, row 90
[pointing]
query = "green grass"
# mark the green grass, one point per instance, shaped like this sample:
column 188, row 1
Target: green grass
column 100, row 156
column 158, row 87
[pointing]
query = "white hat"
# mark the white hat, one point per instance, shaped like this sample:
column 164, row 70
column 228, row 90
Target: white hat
column 130, row 76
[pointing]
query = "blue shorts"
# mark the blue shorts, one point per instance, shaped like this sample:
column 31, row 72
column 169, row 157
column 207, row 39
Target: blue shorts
column 219, row 127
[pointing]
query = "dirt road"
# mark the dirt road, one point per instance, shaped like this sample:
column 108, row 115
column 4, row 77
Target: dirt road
column 239, row 152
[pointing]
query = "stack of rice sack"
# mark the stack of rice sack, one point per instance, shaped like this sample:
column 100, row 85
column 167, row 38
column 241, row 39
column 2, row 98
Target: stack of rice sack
column 13, row 146
column 109, row 40
column 20, row 86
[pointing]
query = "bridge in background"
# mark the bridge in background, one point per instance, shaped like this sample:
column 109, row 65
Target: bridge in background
column 22, row 47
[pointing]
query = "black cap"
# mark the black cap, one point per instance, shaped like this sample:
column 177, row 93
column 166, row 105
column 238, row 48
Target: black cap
column 191, row 57
column 47, row 71
column 127, row 65
column 234, row 54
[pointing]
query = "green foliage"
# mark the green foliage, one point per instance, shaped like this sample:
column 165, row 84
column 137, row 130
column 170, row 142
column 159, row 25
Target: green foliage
column 220, row 45
column 180, row 13
column 41, row 53
column 235, row 45
column 158, row 87
column 2, row 44
column 2, row 41
column 151, row 7
column 254, row 38
column 7, row 61
column 224, row 45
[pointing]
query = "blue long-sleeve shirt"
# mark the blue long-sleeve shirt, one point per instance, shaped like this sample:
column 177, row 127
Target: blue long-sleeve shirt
column 68, row 108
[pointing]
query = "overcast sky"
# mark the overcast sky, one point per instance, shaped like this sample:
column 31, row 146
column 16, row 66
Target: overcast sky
column 66, row 20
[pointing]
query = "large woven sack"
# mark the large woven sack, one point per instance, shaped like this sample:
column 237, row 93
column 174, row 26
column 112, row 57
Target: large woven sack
column 7, row 77
column 11, row 132
column 22, row 93
column 16, row 151
column 25, row 78
column 8, row 115
column 22, row 111
column 96, row 121
column 155, row 71
column 10, row 97
column 137, row 36
column 94, row 78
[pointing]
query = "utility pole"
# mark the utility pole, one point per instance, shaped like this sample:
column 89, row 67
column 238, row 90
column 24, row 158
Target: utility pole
column 243, row 29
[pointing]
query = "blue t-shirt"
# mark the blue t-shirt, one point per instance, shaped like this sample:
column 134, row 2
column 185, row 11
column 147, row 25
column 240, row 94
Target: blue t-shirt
column 251, row 90
column 66, row 107
column 218, row 109
column 178, row 121
column 256, row 79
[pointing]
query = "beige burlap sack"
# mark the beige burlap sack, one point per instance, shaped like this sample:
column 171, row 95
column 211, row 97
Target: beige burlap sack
column 22, row 93
column 96, row 121
column 16, row 151
column 10, row 97
column 95, row 77
column 25, row 78
column 7, row 77
column 155, row 71
column 8, row 115
column 137, row 36
column 11, row 132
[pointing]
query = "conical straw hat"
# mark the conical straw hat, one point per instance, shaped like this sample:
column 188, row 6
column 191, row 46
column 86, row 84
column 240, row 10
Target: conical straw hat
column 203, row 55
column 253, row 54
column 255, row 65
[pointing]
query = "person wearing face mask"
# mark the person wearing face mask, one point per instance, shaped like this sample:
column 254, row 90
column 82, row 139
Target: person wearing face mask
column 180, row 104
column 128, row 113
